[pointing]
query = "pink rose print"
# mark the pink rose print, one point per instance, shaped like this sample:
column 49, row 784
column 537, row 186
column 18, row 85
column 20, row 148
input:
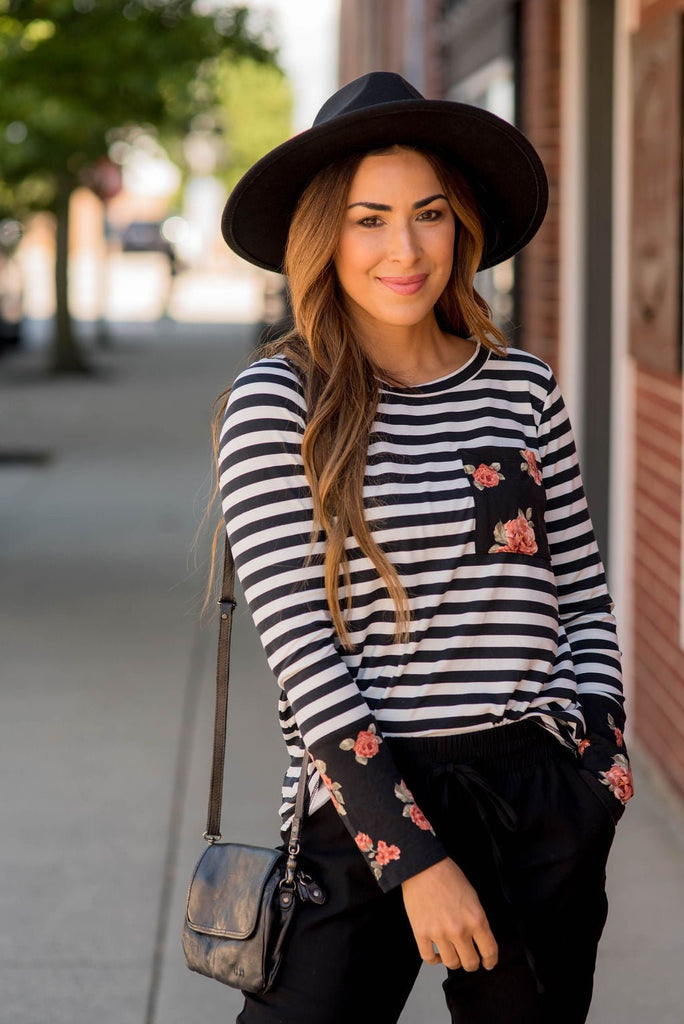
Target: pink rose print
column 334, row 788
column 419, row 819
column 364, row 842
column 619, row 780
column 530, row 465
column 379, row 858
column 515, row 536
column 583, row 746
column 618, row 732
column 386, row 853
column 411, row 808
column 485, row 476
column 365, row 746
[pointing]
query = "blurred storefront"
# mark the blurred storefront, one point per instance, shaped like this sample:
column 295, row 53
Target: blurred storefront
column 597, row 87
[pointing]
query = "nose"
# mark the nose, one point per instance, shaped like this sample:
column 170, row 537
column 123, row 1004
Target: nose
column 404, row 244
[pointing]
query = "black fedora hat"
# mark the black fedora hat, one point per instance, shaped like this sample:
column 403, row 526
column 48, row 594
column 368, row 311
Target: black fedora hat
column 382, row 109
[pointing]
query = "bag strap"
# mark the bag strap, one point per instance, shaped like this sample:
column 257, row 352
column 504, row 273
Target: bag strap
column 227, row 606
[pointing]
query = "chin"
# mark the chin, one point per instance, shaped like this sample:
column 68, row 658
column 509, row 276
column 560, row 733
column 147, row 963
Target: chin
column 392, row 314
column 403, row 317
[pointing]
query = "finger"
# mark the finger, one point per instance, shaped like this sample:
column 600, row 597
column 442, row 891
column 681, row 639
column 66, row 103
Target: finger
column 449, row 956
column 468, row 954
column 487, row 947
column 428, row 951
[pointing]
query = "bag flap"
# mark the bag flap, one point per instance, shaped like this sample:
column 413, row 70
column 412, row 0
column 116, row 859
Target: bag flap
column 226, row 889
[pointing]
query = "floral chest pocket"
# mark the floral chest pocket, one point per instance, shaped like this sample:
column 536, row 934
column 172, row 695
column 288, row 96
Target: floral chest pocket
column 509, row 500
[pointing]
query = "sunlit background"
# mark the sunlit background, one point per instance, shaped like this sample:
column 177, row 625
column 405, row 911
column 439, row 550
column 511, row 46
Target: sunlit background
column 143, row 238
column 123, row 127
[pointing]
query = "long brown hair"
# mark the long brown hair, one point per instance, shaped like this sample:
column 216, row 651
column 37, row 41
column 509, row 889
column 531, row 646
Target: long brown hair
column 341, row 381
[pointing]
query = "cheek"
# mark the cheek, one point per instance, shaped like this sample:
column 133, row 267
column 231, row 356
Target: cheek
column 449, row 244
column 343, row 257
column 354, row 257
column 446, row 255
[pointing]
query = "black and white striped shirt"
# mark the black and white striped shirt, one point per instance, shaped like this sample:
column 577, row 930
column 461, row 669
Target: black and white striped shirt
column 474, row 493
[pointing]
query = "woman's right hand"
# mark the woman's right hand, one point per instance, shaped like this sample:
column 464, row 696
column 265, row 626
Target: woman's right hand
column 444, row 910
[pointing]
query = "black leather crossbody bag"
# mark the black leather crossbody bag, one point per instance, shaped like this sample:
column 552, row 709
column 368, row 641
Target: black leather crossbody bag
column 241, row 899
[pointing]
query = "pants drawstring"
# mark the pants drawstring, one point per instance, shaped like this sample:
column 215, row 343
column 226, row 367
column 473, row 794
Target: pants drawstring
column 494, row 813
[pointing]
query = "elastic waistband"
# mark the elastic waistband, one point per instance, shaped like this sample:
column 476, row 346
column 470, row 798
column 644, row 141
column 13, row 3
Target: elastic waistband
column 515, row 745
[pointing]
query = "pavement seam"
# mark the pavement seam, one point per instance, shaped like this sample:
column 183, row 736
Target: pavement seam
column 189, row 714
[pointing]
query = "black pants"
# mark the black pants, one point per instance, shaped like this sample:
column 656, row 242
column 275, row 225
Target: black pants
column 532, row 832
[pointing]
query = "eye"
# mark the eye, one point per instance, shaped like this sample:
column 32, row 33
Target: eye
column 430, row 215
column 369, row 222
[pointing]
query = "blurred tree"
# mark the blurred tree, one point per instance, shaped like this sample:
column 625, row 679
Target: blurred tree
column 256, row 111
column 72, row 71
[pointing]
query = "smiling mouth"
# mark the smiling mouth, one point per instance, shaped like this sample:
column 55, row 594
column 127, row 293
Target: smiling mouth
column 404, row 285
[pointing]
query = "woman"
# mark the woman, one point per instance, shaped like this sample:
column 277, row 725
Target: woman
column 405, row 509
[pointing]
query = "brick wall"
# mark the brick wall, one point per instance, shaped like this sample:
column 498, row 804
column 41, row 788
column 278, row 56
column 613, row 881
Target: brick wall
column 538, row 266
column 658, row 662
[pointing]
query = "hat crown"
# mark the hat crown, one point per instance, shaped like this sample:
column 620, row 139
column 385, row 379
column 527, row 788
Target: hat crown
column 375, row 112
column 370, row 90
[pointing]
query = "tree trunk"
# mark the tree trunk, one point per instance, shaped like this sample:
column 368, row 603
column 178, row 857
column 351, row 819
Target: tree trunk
column 102, row 335
column 67, row 356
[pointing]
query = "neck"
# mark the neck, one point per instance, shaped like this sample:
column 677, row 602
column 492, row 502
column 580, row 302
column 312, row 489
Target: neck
column 415, row 354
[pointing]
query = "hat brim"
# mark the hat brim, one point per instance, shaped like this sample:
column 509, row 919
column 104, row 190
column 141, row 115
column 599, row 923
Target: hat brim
column 501, row 166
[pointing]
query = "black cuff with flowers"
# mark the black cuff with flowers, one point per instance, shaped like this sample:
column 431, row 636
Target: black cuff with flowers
column 602, row 751
column 377, row 808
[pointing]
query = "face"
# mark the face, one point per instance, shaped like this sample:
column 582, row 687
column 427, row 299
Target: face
column 396, row 246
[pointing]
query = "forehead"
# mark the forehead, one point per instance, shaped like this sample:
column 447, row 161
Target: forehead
column 396, row 170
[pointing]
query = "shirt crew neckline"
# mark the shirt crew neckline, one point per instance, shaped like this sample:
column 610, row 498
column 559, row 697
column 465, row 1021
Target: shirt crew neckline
column 450, row 380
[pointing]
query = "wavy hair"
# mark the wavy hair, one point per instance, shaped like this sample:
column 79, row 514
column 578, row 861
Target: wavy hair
column 340, row 379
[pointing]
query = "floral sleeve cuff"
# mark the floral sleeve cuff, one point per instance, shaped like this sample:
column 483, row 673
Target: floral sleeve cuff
column 602, row 750
column 391, row 832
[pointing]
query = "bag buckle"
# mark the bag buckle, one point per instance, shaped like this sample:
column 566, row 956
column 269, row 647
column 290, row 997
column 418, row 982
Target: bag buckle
column 288, row 880
column 227, row 607
column 308, row 889
column 207, row 836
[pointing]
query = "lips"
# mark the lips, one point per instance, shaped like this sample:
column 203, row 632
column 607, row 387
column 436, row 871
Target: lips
column 404, row 285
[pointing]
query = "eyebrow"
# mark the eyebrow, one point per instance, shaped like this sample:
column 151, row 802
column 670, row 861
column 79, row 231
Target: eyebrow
column 383, row 207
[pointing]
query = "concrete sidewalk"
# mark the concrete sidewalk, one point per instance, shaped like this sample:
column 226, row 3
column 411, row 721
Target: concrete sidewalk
column 107, row 711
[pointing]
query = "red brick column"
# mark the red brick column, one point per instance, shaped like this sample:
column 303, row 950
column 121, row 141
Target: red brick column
column 658, row 662
column 538, row 266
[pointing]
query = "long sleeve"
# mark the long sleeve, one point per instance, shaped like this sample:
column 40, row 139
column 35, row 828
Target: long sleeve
column 586, row 610
column 268, row 509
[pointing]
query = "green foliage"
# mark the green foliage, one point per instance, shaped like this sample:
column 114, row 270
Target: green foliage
column 77, row 74
column 256, row 110
column 36, row 192
column 73, row 70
